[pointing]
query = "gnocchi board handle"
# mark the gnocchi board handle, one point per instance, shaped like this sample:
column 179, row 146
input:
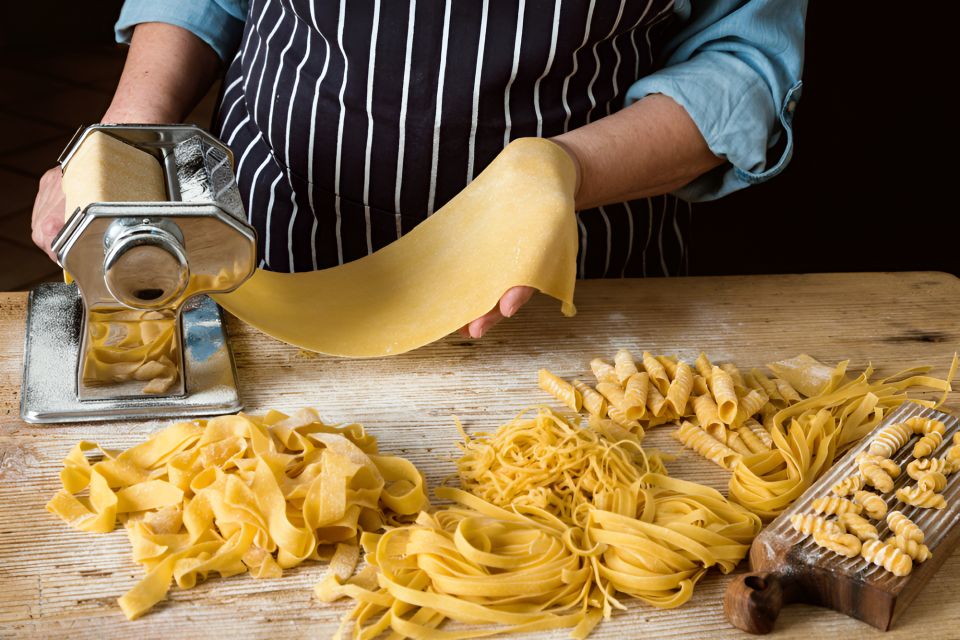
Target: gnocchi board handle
column 753, row 601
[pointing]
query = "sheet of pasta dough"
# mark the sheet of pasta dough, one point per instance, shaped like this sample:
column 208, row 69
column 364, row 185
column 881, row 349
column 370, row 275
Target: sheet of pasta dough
column 513, row 225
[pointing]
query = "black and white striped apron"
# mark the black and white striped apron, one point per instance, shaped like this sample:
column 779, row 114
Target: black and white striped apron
column 352, row 124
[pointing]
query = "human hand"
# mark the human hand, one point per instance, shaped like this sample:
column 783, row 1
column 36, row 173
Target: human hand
column 509, row 304
column 48, row 211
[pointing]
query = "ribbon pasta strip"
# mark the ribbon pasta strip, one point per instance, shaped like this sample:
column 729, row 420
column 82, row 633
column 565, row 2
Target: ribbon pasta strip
column 552, row 522
column 237, row 494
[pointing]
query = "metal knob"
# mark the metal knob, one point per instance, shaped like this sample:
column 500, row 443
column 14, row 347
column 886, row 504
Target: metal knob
column 145, row 265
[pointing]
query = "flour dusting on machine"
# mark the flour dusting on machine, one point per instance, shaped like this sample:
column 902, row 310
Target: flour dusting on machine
column 156, row 221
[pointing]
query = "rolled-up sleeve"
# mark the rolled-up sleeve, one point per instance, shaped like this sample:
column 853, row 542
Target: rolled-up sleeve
column 219, row 23
column 735, row 67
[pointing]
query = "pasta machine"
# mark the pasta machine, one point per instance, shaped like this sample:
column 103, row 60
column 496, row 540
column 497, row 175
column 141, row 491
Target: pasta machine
column 133, row 335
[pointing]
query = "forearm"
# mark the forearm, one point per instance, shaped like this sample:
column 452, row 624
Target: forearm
column 168, row 70
column 649, row 148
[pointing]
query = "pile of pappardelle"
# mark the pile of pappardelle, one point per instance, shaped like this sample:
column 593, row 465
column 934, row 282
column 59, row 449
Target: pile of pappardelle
column 776, row 435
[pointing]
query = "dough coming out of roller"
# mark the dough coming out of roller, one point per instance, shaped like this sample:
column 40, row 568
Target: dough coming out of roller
column 513, row 225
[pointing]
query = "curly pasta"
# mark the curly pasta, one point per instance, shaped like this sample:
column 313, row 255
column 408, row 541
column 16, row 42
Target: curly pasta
column 750, row 438
column 932, row 481
column 695, row 438
column 917, row 468
column 844, row 544
column 724, row 394
column 923, row 426
column 873, row 505
column 923, row 498
column 559, row 389
column 927, row 444
column 887, row 556
column 658, row 375
column 735, row 442
column 593, row 402
column 886, row 443
column 603, row 371
column 761, row 432
column 873, row 474
column 679, row 391
column 624, row 366
column 830, row 505
column 635, row 395
column 858, row 526
column 904, row 527
column 849, row 485
column 918, row 551
column 706, row 411
column 810, row 523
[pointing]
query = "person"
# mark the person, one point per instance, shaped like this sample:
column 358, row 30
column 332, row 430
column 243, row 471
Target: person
column 352, row 123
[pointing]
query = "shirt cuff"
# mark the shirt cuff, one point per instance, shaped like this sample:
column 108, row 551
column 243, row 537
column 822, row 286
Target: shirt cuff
column 731, row 105
column 206, row 19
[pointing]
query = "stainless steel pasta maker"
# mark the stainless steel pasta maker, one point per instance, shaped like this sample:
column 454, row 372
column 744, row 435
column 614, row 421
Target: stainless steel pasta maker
column 145, row 263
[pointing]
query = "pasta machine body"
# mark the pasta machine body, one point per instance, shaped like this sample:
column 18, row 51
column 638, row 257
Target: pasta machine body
column 134, row 335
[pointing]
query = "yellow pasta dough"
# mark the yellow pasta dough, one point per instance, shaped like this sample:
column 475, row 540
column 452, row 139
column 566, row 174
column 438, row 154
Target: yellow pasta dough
column 904, row 527
column 873, row 505
column 513, row 225
column 844, row 544
column 887, row 556
column 236, row 494
column 810, row 523
column 560, row 389
column 858, row 526
column 535, row 544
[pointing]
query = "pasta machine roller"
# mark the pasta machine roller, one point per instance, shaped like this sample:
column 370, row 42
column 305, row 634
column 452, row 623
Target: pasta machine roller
column 133, row 336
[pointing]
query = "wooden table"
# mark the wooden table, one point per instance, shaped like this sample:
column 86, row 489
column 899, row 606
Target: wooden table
column 56, row 582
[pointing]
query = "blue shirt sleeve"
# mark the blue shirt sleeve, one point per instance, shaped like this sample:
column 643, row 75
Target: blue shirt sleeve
column 219, row 23
column 735, row 67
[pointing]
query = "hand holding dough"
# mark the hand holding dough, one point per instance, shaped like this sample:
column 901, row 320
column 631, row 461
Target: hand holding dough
column 513, row 225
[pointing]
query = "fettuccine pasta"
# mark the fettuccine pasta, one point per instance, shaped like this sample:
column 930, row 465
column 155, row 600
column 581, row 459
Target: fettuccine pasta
column 553, row 522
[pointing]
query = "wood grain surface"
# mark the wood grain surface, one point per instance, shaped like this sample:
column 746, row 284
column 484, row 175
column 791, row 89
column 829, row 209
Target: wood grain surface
column 56, row 582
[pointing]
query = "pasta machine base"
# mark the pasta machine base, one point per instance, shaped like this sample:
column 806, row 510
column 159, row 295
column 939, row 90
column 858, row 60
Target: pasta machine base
column 49, row 393
column 789, row 567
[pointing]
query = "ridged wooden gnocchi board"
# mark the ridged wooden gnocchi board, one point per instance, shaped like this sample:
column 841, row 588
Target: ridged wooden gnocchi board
column 789, row 567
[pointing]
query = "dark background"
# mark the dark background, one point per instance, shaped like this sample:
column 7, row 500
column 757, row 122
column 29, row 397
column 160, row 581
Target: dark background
column 870, row 188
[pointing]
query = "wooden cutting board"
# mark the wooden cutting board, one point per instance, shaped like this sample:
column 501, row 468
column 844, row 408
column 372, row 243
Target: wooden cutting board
column 789, row 567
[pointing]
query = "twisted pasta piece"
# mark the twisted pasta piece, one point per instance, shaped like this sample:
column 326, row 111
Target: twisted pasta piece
column 830, row 505
column 624, row 366
column 849, row 485
column 658, row 375
column 749, row 438
column 927, row 444
column 952, row 457
column 810, row 523
column 695, row 438
column 721, row 385
column 559, row 389
column 916, row 550
column 603, row 371
column 904, row 527
column 635, row 395
column 917, row 468
column 760, row 431
column 859, row 526
column 886, row 443
column 873, row 474
column 873, row 505
column 932, row 481
column 923, row 498
column 887, row 556
column 923, row 426
column 619, row 416
column 844, row 544
column 679, row 391
column 706, row 411
column 735, row 442
column 750, row 405
column 593, row 402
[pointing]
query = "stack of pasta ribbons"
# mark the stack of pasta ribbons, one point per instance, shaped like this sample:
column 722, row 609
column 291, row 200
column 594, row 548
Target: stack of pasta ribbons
column 238, row 494
column 775, row 434
column 552, row 522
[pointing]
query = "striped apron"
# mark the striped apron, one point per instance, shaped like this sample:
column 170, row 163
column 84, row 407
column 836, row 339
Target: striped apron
column 352, row 124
